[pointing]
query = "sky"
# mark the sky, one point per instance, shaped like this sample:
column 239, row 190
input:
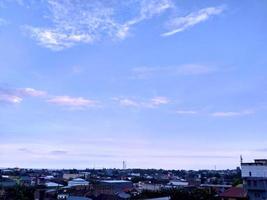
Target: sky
column 158, row 83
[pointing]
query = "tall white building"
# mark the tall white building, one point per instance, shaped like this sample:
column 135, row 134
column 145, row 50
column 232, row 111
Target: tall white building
column 255, row 179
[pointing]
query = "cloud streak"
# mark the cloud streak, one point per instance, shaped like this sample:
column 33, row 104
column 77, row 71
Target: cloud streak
column 78, row 102
column 221, row 114
column 180, row 24
column 157, row 101
column 3, row 22
column 9, row 98
column 186, row 112
column 58, row 152
column 150, row 103
column 231, row 114
column 180, row 70
column 31, row 92
column 78, row 21
column 16, row 96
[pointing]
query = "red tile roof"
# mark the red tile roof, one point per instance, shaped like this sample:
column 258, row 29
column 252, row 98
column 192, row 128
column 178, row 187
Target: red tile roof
column 234, row 192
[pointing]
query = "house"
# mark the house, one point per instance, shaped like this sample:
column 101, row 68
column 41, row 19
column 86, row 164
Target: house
column 7, row 182
column 234, row 193
column 78, row 182
column 216, row 187
column 53, row 185
column 67, row 176
column 25, row 180
column 112, row 187
column 177, row 184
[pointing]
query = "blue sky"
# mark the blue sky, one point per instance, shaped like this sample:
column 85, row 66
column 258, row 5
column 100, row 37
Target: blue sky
column 158, row 83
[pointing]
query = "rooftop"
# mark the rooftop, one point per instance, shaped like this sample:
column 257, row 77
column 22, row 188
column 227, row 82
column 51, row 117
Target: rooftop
column 234, row 192
column 115, row 181
column 256, row 162
column 160, row 198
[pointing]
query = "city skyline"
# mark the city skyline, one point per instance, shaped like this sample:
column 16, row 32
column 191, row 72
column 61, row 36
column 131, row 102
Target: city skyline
column 159, row 84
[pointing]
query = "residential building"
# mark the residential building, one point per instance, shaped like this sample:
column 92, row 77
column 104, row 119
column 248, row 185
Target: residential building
column 7, row 182
column 113, row 186
column 53, row 185
column 71, row 176
column 234, row 193
column 78, row 182
column 177, row 184
column 254, row 176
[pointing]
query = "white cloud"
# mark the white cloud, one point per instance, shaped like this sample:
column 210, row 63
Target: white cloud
column 16, row 96
column 187, row 69
column 147, row 72
column 156, row 101
column 3, row 22
column 151, row 103
column 78, row 102
column 9, row 98
column 78, row 21
column 195, row 69
column 231, row 114
column 55, row 39
column 31, row 92
column 186, row 112
column 76, row 69
column 128, row 102
column 180, row 24
column 150, row 8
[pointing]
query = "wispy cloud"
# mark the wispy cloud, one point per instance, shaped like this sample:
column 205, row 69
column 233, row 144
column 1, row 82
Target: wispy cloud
column 16, row 96
column 214, row 114
column 75, row 102
column 186, row 112
column 147, row 10
column 195, row 69
column 180, row 24
column 31, row 92
column 42, row 152
column 3, row 22
column 58, row 152
column 186, row 69
column 150, row 103
column 127, row 102
column 87, row 22
column 157, row 101
column 25, row 150
column 9, row 98
column 232, row 114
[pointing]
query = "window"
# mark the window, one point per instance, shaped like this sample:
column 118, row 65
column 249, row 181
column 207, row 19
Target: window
column 255, row 183
column 257, row 194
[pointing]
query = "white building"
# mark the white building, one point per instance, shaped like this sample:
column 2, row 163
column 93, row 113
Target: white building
column 256, row 169
column 178, row 183
column 255, row 179
column 78, row 182
column 52, row 185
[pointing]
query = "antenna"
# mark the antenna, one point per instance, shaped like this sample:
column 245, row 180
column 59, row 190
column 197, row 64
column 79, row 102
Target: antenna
column 241, row 159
